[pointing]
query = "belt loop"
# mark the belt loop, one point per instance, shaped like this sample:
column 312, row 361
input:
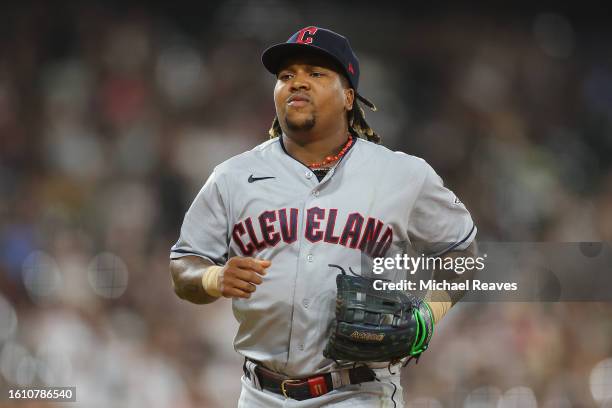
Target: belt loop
column 336, row 380
column 340, row 378
column 345, row 376
column 249, row 373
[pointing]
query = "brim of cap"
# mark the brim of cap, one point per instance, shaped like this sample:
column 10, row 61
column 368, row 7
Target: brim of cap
column 273, row 57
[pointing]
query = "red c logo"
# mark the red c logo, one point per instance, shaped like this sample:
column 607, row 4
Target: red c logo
column 300, row 38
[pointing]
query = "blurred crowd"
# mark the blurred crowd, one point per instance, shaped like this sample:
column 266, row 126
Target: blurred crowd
column 112, row 118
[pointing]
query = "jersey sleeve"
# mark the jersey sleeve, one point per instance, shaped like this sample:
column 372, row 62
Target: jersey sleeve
column 439, row 222
column 204, row 232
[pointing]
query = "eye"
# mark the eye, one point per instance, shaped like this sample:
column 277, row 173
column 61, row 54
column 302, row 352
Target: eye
column 285, row 76
column 317, row 74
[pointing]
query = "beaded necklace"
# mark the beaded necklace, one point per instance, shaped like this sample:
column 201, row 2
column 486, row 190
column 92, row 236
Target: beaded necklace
column 332, row 159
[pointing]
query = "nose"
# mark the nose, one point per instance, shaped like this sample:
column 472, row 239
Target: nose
column 299, row 82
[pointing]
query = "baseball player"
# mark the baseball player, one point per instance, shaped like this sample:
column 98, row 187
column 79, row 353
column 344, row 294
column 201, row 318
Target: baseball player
column 268, row 224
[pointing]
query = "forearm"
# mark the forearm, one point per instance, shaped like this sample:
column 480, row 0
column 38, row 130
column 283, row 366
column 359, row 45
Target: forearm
column 441, row 301
column 187, row 273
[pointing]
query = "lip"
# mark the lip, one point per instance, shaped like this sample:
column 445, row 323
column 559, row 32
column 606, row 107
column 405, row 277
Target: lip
column 298, row 100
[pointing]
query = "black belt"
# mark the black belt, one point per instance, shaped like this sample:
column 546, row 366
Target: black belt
column 305, row 388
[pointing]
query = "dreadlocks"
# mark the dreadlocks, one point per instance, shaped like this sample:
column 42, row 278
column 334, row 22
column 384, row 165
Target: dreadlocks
column 357, row 125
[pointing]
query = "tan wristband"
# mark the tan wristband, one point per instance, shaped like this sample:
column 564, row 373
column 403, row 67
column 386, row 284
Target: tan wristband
column 210, row 280
column 440, row 303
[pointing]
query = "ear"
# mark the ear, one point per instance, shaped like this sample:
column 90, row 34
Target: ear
column 349, row 98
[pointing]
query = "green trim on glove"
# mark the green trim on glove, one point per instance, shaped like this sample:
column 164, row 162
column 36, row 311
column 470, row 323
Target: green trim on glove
column 422, row 333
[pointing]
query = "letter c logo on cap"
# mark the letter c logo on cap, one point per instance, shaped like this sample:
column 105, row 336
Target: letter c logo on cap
column 302, row 39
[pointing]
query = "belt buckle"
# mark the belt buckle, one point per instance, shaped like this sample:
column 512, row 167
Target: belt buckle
column 283, row 386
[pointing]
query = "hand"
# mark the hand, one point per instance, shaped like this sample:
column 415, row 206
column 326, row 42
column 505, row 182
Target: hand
column 240, row 275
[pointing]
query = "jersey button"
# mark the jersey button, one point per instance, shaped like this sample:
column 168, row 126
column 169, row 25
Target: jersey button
column 310, row 258
column 308, row 175
column 306, row 303
column 300, row 347
column 316, row 193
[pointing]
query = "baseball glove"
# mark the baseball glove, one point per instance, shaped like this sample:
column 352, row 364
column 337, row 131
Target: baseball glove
column 377, row 325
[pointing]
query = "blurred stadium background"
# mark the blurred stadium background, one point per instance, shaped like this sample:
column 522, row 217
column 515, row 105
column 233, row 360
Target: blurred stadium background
column 112, row 116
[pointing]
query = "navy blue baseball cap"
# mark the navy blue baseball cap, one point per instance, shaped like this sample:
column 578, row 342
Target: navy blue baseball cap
column 320, row 41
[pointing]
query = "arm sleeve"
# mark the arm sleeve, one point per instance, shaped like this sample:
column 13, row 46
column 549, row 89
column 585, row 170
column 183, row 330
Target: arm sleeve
column 204, row 232
column 439, row 222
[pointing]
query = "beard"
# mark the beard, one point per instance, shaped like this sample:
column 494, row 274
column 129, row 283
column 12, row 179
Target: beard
column 301, row 124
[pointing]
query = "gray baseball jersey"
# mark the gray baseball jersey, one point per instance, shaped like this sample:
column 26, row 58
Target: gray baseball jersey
column 265, row 204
